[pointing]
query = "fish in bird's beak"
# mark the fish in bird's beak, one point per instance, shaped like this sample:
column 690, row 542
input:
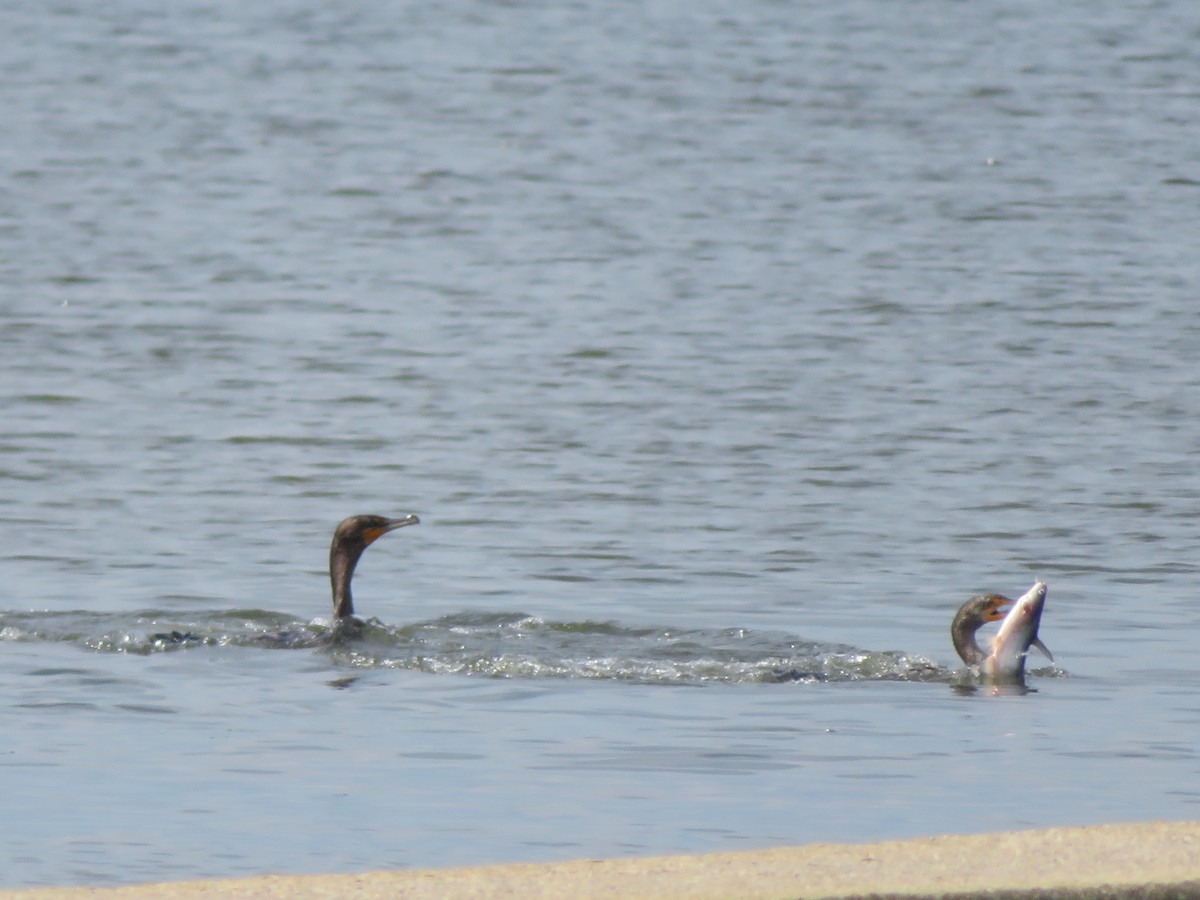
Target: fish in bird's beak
column 1017, row 634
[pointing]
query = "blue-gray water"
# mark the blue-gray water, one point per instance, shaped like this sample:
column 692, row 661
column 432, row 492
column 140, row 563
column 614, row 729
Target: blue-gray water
column 723, row 349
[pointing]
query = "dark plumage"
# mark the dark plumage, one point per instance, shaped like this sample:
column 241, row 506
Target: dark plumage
column 350, row 539
column 970, row 617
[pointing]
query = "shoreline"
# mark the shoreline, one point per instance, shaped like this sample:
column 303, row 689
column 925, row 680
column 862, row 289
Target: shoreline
column 1149, row 859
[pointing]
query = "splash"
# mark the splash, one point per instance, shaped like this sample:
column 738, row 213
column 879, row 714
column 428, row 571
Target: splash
column 490, row 645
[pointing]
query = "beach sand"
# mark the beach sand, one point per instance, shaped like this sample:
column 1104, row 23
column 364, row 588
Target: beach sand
column 1154, row 859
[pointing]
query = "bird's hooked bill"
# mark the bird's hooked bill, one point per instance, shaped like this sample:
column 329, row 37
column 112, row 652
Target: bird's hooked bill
column 370, row 535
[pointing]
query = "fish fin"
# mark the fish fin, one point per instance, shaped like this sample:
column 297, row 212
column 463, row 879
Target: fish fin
column 1037, row 642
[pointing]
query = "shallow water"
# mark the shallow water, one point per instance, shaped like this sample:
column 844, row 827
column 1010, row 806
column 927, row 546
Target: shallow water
column 723, row 352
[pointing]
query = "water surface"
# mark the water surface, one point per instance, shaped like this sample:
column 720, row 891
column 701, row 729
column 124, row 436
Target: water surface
column 723, row 351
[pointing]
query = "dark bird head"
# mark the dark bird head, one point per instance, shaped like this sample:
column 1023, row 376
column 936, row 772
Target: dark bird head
column 971, row 616
column 350, row 539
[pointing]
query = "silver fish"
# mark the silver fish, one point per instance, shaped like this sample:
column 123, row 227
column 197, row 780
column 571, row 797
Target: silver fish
column 1017, row 634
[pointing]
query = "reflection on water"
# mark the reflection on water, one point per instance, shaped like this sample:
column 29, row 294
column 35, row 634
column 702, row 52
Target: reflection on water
column 994, row 689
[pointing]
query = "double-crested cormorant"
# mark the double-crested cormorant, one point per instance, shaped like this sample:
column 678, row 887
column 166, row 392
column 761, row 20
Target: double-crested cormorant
column 1017, row 634
column 350, row 539
column 972, row 616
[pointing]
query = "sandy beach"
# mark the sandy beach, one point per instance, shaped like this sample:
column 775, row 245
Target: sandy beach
column 1153, row 859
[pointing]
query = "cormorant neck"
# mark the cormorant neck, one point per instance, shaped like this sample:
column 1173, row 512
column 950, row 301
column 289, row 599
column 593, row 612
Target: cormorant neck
column 962, row 633
column 969, row 651
column 342, row 561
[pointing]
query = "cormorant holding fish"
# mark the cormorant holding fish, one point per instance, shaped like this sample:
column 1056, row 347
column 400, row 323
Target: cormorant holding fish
column 1006, row 660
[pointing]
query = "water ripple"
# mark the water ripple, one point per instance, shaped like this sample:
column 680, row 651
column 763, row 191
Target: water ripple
column 493, row 645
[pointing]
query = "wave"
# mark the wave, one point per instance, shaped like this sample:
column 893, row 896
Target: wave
column 496, row 645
